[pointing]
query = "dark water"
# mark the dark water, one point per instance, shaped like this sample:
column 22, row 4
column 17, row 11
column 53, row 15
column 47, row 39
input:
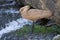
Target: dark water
column 8, row 12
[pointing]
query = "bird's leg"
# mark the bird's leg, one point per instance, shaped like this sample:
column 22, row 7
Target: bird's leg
column 33, row 27
column 32, row 30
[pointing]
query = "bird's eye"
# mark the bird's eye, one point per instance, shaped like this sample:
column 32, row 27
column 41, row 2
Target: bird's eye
column 21, row 9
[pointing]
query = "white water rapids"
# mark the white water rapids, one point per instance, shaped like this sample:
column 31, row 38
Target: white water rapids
column 14, row 25
column 8, row 6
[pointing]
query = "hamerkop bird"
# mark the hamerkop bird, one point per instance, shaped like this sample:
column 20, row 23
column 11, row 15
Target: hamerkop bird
column 34, row 14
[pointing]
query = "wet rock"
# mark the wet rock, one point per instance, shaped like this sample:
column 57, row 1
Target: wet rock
column 57, row 37
column 14, row 36
column 52, row 5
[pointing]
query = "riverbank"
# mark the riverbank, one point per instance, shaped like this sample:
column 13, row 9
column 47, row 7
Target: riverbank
column 40, row 33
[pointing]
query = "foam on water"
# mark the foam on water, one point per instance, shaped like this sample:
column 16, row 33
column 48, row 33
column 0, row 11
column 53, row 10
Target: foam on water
column 57, row 37
column 14, row 25
column 11, row 10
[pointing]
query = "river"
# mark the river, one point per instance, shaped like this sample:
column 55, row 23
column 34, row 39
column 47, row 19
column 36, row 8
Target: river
column 10, row 19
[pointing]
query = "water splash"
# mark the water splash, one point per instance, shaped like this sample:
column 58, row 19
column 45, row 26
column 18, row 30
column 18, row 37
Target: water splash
column 57, row 37
column 11, row 10
column 14, row 25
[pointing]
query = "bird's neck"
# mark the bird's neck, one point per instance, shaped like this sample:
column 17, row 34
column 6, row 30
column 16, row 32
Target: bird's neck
column 24, row 12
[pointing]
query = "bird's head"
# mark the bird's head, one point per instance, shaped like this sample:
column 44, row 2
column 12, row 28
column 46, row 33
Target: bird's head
column 24, row 9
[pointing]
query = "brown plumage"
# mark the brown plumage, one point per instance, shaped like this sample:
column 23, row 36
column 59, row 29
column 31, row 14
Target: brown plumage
column 34, row 14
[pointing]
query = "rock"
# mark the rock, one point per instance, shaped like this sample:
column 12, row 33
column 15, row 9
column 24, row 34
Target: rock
column 56, row 37
column 52, row 5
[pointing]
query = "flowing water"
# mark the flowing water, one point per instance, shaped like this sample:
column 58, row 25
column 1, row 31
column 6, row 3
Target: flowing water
column 10, row 21
column 9, row 17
